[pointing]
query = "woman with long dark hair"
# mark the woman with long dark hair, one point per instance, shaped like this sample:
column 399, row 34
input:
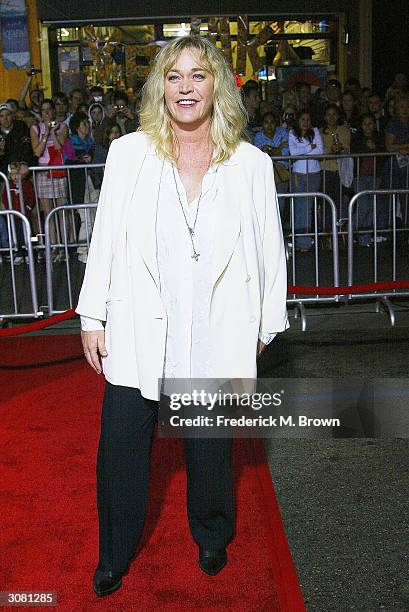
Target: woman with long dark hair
column 305, row 140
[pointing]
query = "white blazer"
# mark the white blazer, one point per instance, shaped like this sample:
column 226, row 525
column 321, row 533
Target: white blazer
column 121, row 282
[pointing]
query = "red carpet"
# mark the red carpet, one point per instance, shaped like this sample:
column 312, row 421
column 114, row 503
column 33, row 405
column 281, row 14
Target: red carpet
column 50, row 406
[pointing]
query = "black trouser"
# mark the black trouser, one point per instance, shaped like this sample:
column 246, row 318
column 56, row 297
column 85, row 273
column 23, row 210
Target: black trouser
column 127, row 426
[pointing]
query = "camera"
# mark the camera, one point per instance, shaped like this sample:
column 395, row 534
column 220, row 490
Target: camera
column 53, row 124
column 97, row 98
column 33, row 71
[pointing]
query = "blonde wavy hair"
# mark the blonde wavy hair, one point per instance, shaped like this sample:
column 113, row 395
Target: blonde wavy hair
column 228, row 118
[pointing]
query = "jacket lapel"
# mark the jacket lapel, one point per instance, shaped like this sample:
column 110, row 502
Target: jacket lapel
column 227, row 219
column 144, row 211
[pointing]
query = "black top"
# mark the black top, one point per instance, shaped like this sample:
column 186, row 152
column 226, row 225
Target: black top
column 18, row 146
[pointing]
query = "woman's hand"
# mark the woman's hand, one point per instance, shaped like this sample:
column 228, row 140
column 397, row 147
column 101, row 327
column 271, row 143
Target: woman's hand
column 93, row 343
column 260, row 347
column 87, row 159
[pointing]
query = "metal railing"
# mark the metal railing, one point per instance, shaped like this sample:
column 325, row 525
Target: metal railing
column 385, row 174
column 63, row 234
column 378, row 236
column 22, row 279
column 320, row 202
column 69, row 252
column 75, row 189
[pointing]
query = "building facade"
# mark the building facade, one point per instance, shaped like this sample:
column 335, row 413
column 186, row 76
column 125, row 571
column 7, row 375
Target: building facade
column 82, row 43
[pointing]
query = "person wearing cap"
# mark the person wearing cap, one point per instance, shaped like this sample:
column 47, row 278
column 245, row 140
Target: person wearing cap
column 17, row 141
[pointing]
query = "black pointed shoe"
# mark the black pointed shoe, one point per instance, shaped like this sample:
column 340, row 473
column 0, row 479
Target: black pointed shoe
column 212, row 561
column 105, row 582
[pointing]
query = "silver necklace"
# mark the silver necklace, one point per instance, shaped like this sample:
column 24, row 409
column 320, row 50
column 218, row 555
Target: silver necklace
column 195, row 255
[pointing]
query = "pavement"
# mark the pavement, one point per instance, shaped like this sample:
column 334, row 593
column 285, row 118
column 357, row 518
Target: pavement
column 344, row 501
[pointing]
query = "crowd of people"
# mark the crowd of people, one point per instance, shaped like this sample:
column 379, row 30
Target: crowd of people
column 334, row 122
column 79, row 128
column 64, row 130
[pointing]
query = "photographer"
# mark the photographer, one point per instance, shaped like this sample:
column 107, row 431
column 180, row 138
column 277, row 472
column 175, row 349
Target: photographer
column 48, row 140
column 122, row 113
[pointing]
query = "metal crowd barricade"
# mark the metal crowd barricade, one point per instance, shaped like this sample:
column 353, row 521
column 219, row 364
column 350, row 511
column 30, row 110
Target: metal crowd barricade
column 64, row 275
column 18, row 297
column 300, row 262
column 43, row 206
column 386, row 175
column 392, row 263
column 63, row 283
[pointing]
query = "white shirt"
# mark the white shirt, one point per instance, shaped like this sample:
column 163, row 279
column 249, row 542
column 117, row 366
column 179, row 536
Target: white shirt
column 185, row 283
column 304, row 147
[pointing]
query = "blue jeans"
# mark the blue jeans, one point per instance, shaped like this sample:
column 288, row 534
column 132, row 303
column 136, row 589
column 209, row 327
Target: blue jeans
column 4, row 237
column 303, row 207
column 365, row 206
column 282, row 188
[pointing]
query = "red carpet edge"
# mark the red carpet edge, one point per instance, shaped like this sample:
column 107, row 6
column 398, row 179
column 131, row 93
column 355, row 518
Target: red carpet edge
column 288, row 588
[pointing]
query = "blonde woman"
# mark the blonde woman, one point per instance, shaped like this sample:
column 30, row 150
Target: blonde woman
column 187, row 272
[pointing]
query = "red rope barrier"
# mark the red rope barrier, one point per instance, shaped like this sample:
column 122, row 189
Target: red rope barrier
column 349, row 289
column 292, row 289
column 30, row 327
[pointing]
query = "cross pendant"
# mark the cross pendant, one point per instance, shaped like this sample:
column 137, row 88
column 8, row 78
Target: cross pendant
column 195, row 256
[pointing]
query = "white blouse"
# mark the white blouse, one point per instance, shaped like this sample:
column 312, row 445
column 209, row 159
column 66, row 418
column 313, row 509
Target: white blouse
column 304, row 147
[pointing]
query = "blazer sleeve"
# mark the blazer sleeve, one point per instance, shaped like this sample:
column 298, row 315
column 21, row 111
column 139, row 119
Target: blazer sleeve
column 274, row 316
column 95, row 286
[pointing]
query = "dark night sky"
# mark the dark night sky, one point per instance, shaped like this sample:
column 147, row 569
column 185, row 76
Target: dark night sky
column 390, row 41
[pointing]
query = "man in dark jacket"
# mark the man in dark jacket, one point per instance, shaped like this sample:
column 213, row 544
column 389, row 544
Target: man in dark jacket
column 18, row 142
column 17, row 152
